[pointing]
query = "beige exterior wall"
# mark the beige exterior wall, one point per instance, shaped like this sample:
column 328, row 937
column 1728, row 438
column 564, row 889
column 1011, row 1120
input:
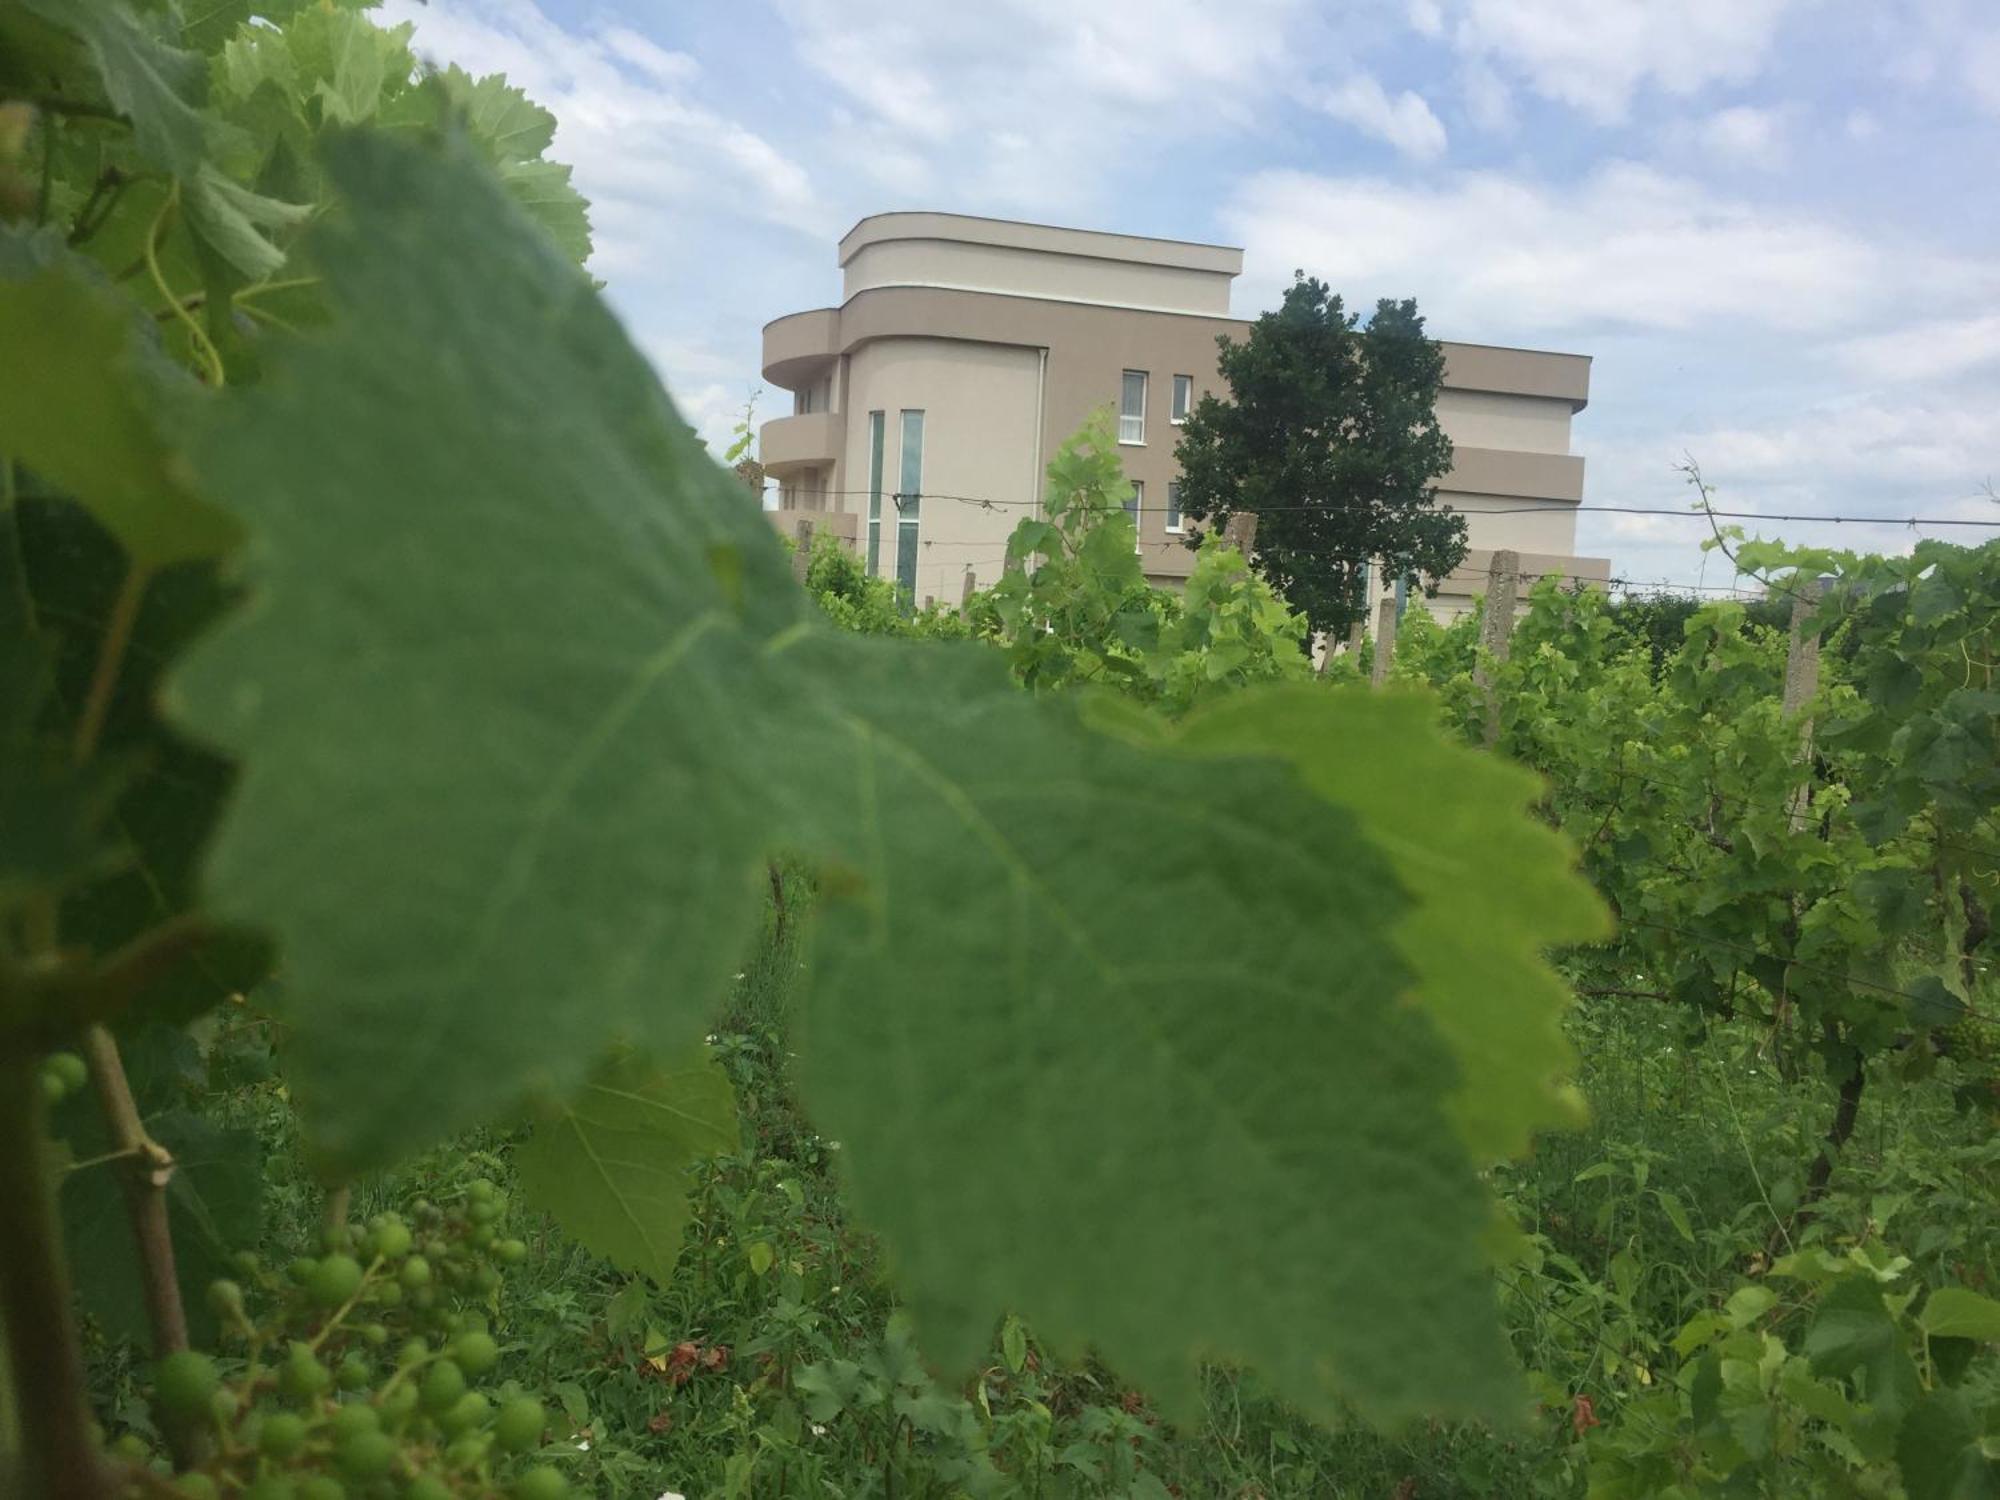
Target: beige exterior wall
column 1487, row 419
column 1035, row 273
column 980, row 404
column 1005, row 375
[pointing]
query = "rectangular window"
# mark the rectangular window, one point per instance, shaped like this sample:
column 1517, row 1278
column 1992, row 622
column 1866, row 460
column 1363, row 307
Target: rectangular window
column 1132, row 408
column 802, row 401
column 909, row 501
column 1135, row 507
column 1174, row 506
column 1183, row 399
column 876, row 423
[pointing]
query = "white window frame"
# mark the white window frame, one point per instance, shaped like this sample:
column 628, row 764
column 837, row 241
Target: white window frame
column 1136, row 509
column 1177, row 413
column 1176, row 520
column 1127, row 423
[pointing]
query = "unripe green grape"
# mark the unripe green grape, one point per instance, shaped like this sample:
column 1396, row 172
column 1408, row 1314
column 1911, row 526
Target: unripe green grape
column 130, row 1447
column 482, row 1236
column 271, row 1487
column 335, row 1279
column 469, row 1411
column 225, row 1300
column 195, row 1487
column 393, row 1240
column 486, row 1279
column 302, row 1376
column 397, row 1403
column 183, row 1384
column 443, row 1385
column 511, row 1252
column 282, row 1434
column 354, row 1373
column 422, row 1298
column 423, row 1211
column 468, row 1452
column 69, row 1070
column 374, row 1335
column 222, row 1407
column 519, row 1425
column 540, row 1484
column 321, row 1487
column 416, row 1272
column 481, row 1190
column 300, row 1268
column 427, row 1487
column 247, row 1265
column 389, row 1293
column 413, row 1350
column 483, row 1212
column 53, row 1092
column 352, row 1419
column 336, row 1239
column 475, row 1352
column 365, row 1456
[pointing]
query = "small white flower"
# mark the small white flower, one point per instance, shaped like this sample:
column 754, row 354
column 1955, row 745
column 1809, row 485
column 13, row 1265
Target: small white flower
column 672, row 1495
column 584, row 1446
column 817, row 1431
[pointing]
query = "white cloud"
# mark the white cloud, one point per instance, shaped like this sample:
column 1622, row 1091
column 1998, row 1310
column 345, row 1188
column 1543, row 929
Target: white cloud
column 1032, row 105
column 1935, row 349
column 1744, row 136
column 1595, row 55
column 1862, row 125
column 1980, row 61
column 1426, row 19
column 1404, row 121
column 1497, row 256
column 645, row 151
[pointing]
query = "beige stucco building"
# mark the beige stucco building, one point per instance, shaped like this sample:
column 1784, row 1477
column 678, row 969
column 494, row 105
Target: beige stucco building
column 965, row 350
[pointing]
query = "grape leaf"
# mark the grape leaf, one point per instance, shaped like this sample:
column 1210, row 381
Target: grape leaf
column 90, row 419
column 1115, row 1040
column 503, row 119
column 235, row 223
column 529, row 655
column 1493, row 889
column 1939, row 1453
column 157, row 86
column 526, row 697
column 611, row 1163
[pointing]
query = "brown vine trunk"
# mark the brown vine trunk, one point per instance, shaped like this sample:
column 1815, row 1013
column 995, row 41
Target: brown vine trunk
column 144, row 1170
column 1821, row 1172
column 35, row 1316
column 778, row 904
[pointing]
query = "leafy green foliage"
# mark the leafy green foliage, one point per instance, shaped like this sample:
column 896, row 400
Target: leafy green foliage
column 612, row 1162
column 91, row 420
column 1073, row 607
column 1330, row 436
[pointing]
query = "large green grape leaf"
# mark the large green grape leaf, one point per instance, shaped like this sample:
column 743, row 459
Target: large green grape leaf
column 156, row 85
column 1117, row 1037
column 90, row 420
column 611, row 1162
column 1494, row 890
column 499, row 691
column 1116, row 1040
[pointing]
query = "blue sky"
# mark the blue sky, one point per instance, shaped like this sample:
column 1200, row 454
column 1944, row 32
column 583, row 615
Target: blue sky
column 1773, row 223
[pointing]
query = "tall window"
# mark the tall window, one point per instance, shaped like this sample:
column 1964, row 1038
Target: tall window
column 1183, row 398
column 1132, row 408
column 1136, row 507
column 1174, row 506
column 876, row 423
column 909, row 500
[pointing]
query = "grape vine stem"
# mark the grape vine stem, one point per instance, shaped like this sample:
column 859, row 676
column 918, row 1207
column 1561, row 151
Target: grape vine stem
column 35, row 1311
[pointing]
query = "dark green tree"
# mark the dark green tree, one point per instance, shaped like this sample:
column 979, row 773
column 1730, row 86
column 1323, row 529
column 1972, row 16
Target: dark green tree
column 1330, row 436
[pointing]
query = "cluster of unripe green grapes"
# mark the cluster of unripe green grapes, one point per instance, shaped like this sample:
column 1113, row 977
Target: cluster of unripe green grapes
column 62, row 1074
column 359, row 1375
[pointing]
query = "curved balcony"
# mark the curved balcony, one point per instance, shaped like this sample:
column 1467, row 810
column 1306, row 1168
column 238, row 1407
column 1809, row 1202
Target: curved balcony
column 798, row 346
column 789, row 444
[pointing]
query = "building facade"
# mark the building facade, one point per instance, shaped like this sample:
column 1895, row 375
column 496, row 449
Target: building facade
column 926, row 406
